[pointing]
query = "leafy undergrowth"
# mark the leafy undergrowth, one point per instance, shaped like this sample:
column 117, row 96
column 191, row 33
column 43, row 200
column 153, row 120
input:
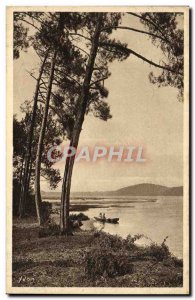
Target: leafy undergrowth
column 90, row 259
column 51, row 228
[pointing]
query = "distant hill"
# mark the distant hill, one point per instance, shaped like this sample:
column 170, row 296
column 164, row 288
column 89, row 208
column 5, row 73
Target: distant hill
column 144, row 189
column 148, row 189
column 174, row 191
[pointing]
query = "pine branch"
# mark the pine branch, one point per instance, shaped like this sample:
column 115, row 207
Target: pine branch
column 29, row 23
column 136, row 30
column 130, row 51
column 152, row 23
column 65, row 74
column 99, row 80
column 33, row 17
column 50, row 106
column 45, row 88
column 81, row 35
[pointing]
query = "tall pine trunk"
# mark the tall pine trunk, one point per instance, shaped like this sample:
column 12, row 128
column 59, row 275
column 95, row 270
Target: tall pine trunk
column 64, row 209
column 38, row 201
column 65, row 196
column 29, row 173
column 21, row 172
column 41, row 139
column 24, row 183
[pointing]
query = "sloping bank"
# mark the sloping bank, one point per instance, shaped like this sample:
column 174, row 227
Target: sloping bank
column 89, row 258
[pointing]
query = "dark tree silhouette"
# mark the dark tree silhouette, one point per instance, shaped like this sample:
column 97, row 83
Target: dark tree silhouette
column 74, row 67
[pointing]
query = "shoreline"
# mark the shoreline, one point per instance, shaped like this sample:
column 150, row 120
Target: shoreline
column 72, row 261
column 85, row 203
column 131, row 219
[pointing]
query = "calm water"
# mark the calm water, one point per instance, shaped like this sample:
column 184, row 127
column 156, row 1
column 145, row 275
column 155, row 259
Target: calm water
column 139, row 215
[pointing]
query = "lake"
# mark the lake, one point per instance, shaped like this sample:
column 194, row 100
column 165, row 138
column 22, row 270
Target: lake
column 155, row 217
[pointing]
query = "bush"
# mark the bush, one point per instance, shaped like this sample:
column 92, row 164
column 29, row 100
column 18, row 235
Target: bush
column 50, row 229
column 177, row 261
column 160, row 252
column 102, row 262
column 78, row 217
column 130, row 241
column 46, row 209
column 15, row 197
column 108, row 241
column 30, row 207
column 115, row 242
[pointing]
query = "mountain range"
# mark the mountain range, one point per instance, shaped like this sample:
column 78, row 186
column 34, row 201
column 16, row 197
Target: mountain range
column 143, row 189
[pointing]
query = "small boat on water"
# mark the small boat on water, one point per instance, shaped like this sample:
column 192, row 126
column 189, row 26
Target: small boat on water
column 107, row 220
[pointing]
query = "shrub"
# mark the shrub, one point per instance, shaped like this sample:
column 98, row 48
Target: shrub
column 50, row 229
column 160, row 252
column 46, row 209
column 177, row 261
column 104, row 262
column 108, row 241
column 115, row 242
column 130, row 241
column 78, row 217
column 30, row 208
column 15, row 197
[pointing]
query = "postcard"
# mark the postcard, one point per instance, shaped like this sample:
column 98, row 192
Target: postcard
column 98, row 150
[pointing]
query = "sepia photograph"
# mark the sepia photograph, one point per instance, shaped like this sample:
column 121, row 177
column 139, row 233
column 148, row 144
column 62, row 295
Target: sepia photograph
column 98, row 150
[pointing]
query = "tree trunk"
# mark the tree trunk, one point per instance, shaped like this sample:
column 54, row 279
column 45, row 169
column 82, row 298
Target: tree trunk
column 29, row 175
column 65, row 196
column 28, row 183
column 41, row 139
column 24, row 185
column 59, row 34
column 21, row 172
column 62, row 208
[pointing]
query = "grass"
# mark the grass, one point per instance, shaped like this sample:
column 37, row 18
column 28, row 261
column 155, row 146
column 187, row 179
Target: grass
column 89, row 259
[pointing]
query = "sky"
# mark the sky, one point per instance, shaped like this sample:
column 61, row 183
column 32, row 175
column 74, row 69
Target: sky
column 142, row 115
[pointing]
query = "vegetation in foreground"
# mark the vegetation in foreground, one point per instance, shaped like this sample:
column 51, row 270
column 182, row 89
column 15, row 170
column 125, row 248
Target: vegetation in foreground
column 89, row 258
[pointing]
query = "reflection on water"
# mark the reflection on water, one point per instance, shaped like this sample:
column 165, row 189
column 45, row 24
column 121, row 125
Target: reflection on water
column 153, row 219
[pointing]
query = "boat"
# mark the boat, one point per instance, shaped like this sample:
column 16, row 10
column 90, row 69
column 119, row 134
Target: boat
column 107, row 220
